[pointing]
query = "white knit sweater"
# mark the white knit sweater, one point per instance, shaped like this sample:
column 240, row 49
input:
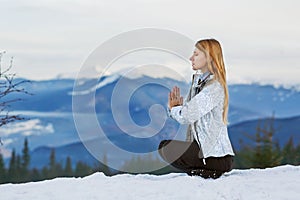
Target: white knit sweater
column 206, row 110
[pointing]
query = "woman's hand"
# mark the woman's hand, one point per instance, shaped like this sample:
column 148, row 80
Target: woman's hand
column 174, row 98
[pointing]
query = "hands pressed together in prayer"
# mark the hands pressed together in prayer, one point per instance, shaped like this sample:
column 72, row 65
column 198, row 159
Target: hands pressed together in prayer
column 174, row 98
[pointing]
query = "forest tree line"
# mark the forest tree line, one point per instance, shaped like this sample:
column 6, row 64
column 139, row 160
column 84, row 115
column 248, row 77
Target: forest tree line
column 263, row 152
column 19, row 170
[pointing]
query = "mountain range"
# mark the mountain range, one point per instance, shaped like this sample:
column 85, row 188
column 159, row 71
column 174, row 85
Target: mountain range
column 136, row 106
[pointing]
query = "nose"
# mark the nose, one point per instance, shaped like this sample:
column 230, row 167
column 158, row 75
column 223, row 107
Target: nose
column 191, row 58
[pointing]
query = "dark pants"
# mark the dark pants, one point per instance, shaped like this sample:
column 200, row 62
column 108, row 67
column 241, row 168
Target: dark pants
column 186, row 156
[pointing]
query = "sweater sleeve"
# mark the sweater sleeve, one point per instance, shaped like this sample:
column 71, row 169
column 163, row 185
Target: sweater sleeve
column 199, row 105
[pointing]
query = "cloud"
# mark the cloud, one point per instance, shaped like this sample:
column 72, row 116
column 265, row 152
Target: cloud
column 7, row 141
column 60, row 34
column 27, row 128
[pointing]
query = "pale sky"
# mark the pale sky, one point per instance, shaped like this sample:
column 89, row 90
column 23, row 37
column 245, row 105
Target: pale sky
column 260, row 39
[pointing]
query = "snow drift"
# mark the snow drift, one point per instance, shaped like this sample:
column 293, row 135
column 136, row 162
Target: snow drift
column 273, row 183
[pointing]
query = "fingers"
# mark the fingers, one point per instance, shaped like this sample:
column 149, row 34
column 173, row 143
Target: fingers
column 176, row 92
column 174, row 97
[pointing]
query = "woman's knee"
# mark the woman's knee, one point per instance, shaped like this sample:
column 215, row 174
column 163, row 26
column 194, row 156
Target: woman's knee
column 163, row 143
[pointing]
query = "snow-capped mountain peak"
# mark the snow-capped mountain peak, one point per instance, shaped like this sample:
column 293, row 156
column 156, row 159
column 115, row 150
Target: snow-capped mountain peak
column 107, row 80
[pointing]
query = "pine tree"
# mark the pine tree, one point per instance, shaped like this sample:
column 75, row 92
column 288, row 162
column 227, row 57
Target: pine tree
column 82, row 169
column 2, row 170
column 12, row 167
column 55, row 169
column 68, row 171
column 289, row 155
column 45, row 173
column 59, row 171
column 19, row 176
column 242, row 159
column 25, row 157
column 297, row 152
column 35, row 175
column 52, row 165
column 266, row 151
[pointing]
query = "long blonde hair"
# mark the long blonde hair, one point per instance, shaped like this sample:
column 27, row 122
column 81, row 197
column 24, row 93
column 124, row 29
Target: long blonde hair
column 215, row 62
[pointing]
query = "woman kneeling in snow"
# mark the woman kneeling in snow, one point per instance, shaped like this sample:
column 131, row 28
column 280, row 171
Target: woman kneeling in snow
column 207, row 151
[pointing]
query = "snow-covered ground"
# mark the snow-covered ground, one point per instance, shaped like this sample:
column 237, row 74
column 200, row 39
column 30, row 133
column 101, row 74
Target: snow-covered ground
column 274, row 183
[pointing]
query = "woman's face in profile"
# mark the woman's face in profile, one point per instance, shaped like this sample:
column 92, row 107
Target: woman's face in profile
column 199, row 61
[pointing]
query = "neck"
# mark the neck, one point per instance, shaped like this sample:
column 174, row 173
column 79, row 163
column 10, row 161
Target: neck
column 204, row 70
